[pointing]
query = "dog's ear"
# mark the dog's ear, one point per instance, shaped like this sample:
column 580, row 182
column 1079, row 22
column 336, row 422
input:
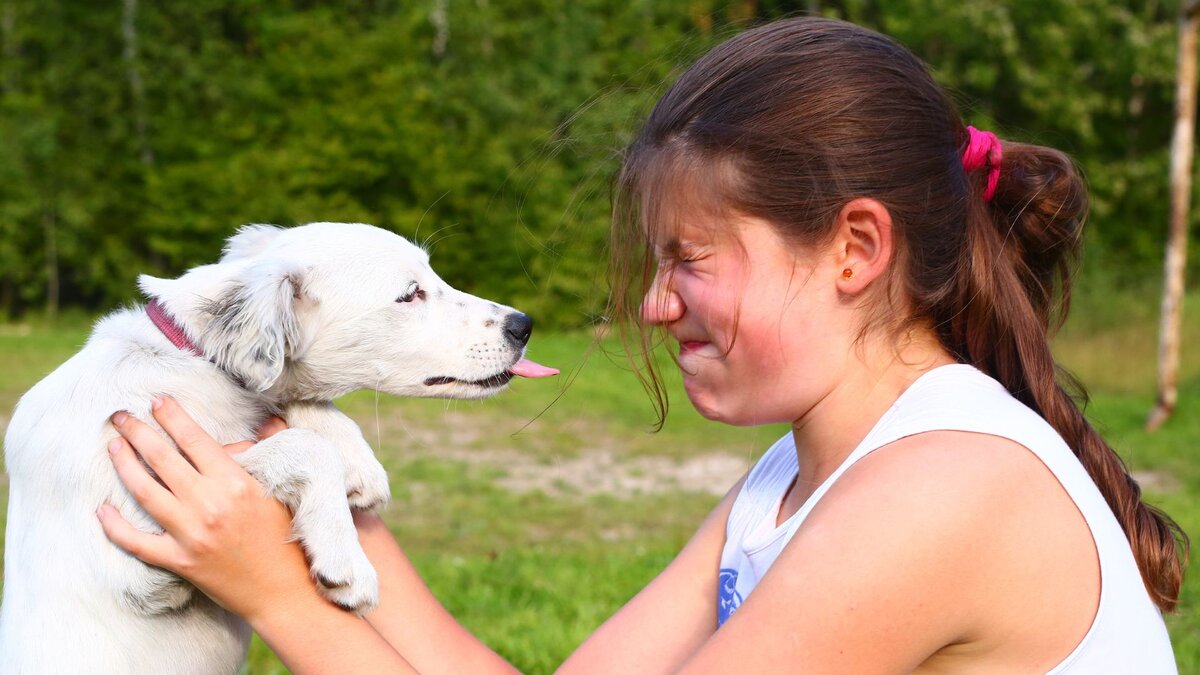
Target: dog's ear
column 153, row 287
column 248, row 241
column 252, row 327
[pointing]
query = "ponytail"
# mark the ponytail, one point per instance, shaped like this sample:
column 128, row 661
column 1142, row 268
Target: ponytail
column 1021, row 248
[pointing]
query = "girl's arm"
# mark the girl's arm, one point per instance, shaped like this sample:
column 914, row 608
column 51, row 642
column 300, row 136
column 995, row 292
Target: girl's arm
column 411, row 618
column 664, row 624
column 233, row 542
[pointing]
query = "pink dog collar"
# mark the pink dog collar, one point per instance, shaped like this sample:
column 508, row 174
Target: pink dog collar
column 169, row 328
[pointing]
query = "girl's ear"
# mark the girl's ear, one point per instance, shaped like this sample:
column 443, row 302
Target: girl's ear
column 863, row 244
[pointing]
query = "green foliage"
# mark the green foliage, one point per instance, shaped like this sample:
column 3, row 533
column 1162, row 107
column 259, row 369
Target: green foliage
column 137, row 143
column 499, row 133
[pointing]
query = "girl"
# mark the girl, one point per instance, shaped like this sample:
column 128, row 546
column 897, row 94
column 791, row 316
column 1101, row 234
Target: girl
column 807, row 218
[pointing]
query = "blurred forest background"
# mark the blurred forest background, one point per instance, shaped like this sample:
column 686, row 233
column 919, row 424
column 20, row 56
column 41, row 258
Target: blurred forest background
column 135, row 136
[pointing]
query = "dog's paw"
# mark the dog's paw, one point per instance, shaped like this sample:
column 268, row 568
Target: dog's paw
column 347, row 580
column 367, row 485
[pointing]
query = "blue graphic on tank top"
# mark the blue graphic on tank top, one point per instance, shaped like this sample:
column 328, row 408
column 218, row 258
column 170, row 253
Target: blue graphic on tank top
column 728, row 598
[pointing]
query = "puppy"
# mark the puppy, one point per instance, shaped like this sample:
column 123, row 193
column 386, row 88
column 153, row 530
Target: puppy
column 286, row 321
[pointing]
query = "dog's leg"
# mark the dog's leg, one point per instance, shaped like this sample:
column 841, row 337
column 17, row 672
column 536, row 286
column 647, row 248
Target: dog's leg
column 305, row 472
column 366, row 481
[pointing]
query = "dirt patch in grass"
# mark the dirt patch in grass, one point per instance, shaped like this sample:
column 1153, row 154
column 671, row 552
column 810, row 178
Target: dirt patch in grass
column 579, row 460
column 603, row 472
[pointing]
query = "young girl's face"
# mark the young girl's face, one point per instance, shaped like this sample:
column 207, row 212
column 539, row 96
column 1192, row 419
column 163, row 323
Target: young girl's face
column 759, row 330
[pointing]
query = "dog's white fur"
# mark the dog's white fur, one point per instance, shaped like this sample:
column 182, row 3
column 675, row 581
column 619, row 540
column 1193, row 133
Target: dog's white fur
column 287, row 320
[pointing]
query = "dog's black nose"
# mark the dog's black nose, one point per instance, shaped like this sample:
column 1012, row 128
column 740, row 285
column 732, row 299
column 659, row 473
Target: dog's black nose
column 518, row 327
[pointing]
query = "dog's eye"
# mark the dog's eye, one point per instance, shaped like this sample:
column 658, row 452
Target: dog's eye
column 413, row 292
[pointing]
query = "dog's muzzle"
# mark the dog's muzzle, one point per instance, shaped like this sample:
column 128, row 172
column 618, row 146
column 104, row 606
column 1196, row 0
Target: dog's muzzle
column 517, row 329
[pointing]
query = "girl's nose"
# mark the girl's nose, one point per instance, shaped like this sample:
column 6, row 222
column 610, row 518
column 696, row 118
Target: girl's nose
column 662, row 304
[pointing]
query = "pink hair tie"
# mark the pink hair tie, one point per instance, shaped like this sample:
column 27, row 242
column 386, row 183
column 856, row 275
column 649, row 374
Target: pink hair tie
column 983, row 149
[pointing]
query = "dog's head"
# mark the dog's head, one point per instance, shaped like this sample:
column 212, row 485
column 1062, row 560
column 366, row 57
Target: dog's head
column 323, row 309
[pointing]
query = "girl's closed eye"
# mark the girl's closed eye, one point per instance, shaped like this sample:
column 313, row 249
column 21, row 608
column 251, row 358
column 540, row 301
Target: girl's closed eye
column 691, row 253
column 675, row 252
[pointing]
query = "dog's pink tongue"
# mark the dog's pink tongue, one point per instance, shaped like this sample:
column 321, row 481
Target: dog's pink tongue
column 527, row 368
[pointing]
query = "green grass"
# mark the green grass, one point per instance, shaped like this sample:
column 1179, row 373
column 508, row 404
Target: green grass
column 533, row 571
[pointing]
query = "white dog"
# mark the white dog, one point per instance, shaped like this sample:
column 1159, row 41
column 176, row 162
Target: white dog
column 286, row 321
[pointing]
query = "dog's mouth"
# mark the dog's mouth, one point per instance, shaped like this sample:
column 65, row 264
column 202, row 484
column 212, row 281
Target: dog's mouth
column 522, row 368
column 497, row 380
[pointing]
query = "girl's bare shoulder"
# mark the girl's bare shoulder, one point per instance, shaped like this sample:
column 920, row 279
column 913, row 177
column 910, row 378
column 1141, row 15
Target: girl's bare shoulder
column 992, row 542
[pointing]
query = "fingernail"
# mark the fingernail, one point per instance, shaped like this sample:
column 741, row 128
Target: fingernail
column 156, row 402
column 119, row 417
column 114, row 445
column 100, row 511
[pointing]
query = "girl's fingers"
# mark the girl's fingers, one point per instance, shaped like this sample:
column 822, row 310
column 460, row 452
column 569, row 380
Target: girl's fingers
column 205, row 452
column 272, row 426
column 158, row 452
column 157, row 500
column 157, row 549
column 239, row 447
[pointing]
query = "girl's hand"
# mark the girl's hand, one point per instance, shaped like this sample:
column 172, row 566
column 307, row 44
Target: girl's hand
column 222, row 533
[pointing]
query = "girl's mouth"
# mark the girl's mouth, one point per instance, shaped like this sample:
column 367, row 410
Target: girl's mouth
column 689, row 346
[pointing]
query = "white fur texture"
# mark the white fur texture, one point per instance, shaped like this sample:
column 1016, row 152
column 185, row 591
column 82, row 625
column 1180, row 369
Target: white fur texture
column 288, row 320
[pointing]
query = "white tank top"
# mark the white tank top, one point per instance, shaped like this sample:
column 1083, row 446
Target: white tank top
column 1127, row 635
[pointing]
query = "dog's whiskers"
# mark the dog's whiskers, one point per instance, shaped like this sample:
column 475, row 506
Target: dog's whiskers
column 429, row 208
column 429, row 247
column 425, row 243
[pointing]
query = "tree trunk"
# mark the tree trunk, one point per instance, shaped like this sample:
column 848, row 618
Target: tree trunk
column 136, row 88
column 440, row 19
column 1181, row 185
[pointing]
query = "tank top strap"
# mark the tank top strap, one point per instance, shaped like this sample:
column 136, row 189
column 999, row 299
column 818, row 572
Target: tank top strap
column 961, row 398
column 958, row 397
column 764, row 484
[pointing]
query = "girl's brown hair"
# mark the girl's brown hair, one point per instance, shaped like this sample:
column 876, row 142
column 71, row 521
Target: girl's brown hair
column 790, row 121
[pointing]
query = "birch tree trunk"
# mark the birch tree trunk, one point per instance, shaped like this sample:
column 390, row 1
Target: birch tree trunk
column 440, row 19
column 133, row 71
column 1182, row 148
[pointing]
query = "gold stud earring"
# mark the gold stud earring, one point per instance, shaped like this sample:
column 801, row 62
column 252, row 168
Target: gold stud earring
column 847, row 273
